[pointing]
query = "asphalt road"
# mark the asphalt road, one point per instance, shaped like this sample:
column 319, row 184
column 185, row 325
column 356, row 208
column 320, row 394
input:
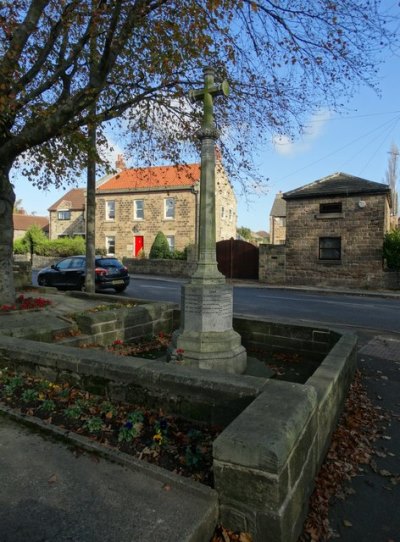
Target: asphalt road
column 353, row 311
column 358, row 312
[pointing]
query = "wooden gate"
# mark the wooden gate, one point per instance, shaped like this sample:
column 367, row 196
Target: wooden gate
column 237, row 259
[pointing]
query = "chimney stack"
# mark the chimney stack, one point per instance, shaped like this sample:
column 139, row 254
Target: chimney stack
column 120, row 162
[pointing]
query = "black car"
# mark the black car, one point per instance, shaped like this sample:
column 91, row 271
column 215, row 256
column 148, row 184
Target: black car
column 69, row 273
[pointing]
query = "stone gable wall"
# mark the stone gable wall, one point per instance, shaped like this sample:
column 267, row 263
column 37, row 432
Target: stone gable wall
column 278, row 230
column 361, row 229
column 74, row 226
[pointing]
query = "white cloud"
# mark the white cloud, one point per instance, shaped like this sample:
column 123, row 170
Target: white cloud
column 313, row 130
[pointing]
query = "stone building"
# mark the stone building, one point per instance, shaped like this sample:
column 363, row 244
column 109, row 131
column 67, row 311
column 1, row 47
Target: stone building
column 67, row 215
column 22, row 223
column 135, row 204
column 277, row 221
column 334, row 232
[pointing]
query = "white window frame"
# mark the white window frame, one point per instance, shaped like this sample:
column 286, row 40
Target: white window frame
column 110, row 241
column 230, row 215
column 61, row 214
column 171, row 242
column 137, row 210
column 110, row 206
column 167, row 202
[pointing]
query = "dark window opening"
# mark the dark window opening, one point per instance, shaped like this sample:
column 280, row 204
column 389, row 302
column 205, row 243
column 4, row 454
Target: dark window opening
column 335, row 207
column 330, row 248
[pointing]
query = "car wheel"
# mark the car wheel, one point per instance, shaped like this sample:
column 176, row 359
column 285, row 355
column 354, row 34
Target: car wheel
column 42, row 281
column 120, row 289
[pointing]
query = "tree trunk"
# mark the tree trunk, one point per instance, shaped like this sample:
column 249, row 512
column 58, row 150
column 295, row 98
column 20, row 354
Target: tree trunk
column 7, row 200
column 91, row 212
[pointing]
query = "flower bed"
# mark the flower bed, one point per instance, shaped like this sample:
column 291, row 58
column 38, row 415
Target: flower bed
column 168, row 441
column 26, row 303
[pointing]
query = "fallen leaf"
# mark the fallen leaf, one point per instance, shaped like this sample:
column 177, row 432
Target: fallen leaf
column 52, row 479
column 347, row 523
column 166, row 487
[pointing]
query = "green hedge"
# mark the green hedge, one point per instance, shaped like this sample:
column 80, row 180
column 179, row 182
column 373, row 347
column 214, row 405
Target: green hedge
column 35, row 241
column 391, row 249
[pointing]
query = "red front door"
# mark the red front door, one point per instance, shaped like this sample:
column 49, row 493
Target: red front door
column 138, row 244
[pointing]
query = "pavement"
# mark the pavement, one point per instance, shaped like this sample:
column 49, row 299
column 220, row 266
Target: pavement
column 49, row 493
column 371, row 510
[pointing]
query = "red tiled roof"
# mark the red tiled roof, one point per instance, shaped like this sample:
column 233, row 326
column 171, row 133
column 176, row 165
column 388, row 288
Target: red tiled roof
column 74, row 200
column 24, row 222
column 153, row 177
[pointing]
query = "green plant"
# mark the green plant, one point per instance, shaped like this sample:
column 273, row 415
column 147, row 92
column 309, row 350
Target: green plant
column 391, row 249
column 93, row 425
column 48, row 405
column 108, row 408
column 192, row 455
column 132, row 428
column 74, row 412
column 42, row 385
column 160, row 248
column 29, row 396
column 12, row 384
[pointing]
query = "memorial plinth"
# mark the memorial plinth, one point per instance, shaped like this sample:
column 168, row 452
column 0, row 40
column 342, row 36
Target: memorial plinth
column 206, row 338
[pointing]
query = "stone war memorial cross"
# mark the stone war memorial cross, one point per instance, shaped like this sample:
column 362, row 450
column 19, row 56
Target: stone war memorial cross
column 206, row 335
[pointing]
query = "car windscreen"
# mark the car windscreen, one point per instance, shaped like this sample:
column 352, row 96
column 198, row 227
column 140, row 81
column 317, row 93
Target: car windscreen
column 109, row 262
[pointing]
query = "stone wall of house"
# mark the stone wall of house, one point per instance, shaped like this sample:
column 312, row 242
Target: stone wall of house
column 72, row 227
column 278, row 230
column 124, row 227
column 361, row 226
column 272, row 264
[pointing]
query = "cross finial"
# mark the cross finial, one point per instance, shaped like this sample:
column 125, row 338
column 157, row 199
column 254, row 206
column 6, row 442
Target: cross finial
column 206, row 94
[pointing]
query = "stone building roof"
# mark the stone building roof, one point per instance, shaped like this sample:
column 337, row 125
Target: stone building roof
column 24, row 222
column 338, row 184
column 158, row 177
column 74, row 200
column 279, row 206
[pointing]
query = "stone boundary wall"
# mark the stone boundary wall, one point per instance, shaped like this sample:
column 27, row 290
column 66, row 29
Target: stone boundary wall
column 266, row 460
column 391, row 280
column 22, row 272
column 193, row 393
column 276, row 433
column 126, row 324
column 314, row 342
column 38, row 262
column 272, row 259
column 172, row 268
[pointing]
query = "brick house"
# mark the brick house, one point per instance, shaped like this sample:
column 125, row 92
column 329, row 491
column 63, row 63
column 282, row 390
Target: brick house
column 23, row 222
column 135, row 204
column 334, row 231
column 67, row 215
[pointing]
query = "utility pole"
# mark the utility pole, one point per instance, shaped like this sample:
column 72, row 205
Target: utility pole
column 392, row 176
column 90, row 284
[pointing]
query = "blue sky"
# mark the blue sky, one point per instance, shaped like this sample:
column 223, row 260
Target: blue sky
column 357, row 142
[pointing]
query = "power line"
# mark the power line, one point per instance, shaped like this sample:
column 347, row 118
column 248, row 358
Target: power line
column 340, row 148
